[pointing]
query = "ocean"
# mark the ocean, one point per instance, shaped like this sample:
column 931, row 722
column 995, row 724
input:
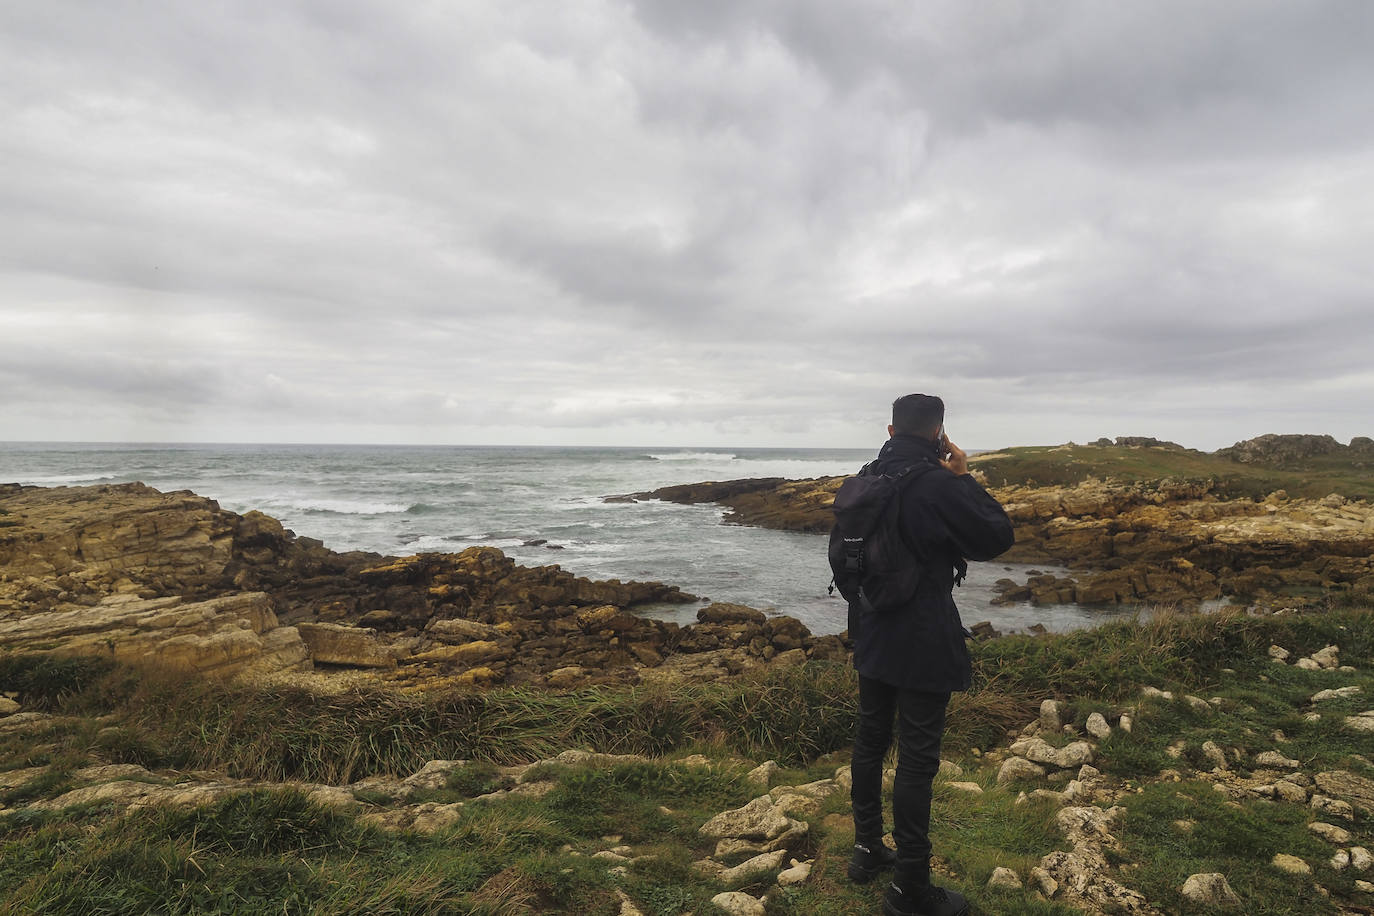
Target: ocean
column 540, row 505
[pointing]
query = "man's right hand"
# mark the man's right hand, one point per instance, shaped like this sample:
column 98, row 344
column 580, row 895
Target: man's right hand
column 957, row 461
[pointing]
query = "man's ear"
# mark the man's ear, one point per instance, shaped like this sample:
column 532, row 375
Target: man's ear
column 891, row 431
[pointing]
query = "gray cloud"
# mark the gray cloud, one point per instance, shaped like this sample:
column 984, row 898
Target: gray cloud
column 706, row 223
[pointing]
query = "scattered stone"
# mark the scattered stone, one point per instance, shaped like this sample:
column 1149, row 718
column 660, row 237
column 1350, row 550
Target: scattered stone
column 1097, row 726
column 1333, row 806
column 949, row 769
column 1360, row 859
column 737, row 903
column 1339, row 693
column 1214, row 755
column 1279, row 653
column 1045, row 881
column 8, row 707
column 1049, row 716
column 762, row 775
column 970, row 787
column 758, row 820
column 1004, row 879
column 1291, row 864
column 1330, row 832
column 1328, row 657
column 752, row 868
column 1156, row 693
column 1017, row 768
column 1276, row 760
column 1284, row 790
column 1124, row 723
column 1038, row 750
column 1360, row 722
column 627, row 906
column 1364, row 887
column 1349, row 787
column 1210, row 890
column 1307, row 664
column 1340, row 861
column 1198, row 704
column 796, row 874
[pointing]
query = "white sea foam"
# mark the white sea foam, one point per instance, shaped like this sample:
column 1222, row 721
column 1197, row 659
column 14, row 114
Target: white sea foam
column 54, row 480
column 348, row 506
column 694, row 456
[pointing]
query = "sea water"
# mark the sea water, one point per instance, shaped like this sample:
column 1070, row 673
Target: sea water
column 540, row 505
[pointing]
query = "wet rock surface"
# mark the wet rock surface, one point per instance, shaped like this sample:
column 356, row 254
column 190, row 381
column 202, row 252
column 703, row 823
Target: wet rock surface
column 1164, row 541
column 131, row 573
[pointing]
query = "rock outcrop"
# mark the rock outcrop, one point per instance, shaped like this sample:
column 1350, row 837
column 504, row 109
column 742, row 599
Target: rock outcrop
column 1165, row 541
column 135, row 574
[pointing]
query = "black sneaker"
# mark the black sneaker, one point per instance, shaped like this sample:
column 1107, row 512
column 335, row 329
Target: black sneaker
column 923, row 900
column 869, row 859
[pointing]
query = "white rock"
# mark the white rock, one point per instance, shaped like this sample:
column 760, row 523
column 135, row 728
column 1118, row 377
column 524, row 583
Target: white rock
column 1279, row 653
column 752, row 868
column 1360, row 859
column 1364, row 887
column 1210, row 890
column 971, row 787
column 1340, row 861
column 949, row 769
column 1045, row 881
column 1330, row 832
column 1016, row 768
column 1049, row 716
column 1361, row 722
column 1307, row 664
column 1328, row 657
column 1290, row 792
column 1004, row 879
column 627, row 906
column 1038, row 750
column 795, row 875
column 762, row 775
column 1124, row 723
column 1156, row 693
column 737, row 903
column 1097, row 726
column 8, row 707
column 759, row 820
column 1333, row 806
column 1338, row 693
column 1198, row 704
column 1277, row 760
column 1214, row 755
column 1291, row 864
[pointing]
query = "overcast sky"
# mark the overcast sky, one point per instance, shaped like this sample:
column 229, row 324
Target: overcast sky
column 663, row 222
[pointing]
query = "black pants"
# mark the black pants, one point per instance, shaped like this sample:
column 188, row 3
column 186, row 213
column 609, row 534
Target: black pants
column 921, row 726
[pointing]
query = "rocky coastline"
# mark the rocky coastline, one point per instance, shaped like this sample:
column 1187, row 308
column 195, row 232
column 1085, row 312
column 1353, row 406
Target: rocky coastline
column 131, row 573
column 1163, row 541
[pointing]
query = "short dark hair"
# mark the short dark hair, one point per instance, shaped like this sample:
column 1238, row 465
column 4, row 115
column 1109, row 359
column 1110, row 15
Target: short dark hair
column 917, row 414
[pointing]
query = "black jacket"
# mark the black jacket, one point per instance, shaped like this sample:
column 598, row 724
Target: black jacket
column 948, row 518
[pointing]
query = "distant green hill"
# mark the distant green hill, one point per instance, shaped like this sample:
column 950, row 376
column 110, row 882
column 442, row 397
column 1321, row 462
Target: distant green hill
column 1310, row 466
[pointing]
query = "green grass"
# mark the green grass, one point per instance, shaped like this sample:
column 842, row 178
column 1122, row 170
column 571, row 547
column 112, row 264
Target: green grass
column 275, row 851
column 1065, row 466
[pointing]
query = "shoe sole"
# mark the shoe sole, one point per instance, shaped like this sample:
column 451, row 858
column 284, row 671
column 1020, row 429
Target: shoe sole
column 890, row 910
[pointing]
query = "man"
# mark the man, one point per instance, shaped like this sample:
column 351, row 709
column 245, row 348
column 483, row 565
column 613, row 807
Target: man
column 910, row 660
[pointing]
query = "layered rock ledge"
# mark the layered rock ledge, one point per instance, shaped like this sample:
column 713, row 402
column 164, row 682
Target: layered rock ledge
column 134, row 574
column 1166, row 540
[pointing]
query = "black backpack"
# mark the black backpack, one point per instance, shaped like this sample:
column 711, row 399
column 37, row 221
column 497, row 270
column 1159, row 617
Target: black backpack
column 875, row 568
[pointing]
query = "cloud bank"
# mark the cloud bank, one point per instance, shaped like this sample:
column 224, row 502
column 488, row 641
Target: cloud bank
column 742, row 223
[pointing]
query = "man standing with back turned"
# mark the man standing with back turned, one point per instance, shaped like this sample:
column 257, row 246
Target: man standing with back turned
column 910, row 659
